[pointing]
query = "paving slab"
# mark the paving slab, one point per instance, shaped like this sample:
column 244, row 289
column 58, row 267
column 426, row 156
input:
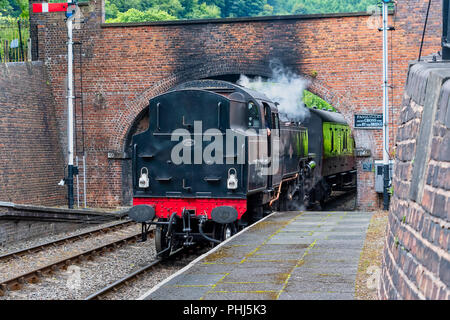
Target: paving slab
column 287, row 256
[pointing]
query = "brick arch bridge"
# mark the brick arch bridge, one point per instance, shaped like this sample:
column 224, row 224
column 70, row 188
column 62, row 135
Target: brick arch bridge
column 123, row 65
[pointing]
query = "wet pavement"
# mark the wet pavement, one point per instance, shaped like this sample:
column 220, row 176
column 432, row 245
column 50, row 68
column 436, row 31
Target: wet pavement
column 286, row 256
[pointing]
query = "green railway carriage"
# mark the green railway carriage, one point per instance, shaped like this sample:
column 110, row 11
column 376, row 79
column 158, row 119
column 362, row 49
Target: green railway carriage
column 332, row 145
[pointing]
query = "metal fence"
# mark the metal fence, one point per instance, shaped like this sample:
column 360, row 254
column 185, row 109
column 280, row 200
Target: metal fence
column 15, row 44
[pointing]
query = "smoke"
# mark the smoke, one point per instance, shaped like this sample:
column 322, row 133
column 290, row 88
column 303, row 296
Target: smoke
column 284, row 87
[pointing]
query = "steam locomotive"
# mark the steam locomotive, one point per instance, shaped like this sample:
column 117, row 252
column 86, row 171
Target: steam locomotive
column 216, row 157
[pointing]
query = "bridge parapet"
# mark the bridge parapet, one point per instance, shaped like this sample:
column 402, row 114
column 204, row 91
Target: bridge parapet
column 417, row 252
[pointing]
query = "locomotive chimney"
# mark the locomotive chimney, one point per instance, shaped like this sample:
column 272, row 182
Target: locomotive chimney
column 446, row 33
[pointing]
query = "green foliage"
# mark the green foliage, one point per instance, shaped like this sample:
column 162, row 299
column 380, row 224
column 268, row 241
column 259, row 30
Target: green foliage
column 118, row 10
column 243, row 8
column 391, row 192
column 204, row 11
column 9, row 8
column 111, row 11
column 134, row 15
column 24, row 8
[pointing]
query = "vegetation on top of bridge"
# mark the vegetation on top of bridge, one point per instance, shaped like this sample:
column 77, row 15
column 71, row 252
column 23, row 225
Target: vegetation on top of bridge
column 14, row 8
column 158, row 10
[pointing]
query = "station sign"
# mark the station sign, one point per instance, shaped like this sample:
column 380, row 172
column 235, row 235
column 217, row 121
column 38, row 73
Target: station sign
column 369, row 121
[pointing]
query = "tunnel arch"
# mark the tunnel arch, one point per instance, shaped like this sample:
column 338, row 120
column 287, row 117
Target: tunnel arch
column 124, row 121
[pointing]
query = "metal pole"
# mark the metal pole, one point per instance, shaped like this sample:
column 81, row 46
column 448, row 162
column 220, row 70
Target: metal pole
column 385, row 108
column 70, row 98
column 78, row 184
column 22, row 58
column 84, row 179
column 424, row 30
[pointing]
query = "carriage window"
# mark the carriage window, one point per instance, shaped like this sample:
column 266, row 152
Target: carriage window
column 345, row 139
column 254, row 119
column 332, row 140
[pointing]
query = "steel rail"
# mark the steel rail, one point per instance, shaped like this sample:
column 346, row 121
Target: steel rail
column 117, row 284
column 339, row 197
column 17, row 282
column 130, row 277
column 73, row 238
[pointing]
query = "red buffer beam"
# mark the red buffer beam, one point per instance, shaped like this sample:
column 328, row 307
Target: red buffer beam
column 50, row 7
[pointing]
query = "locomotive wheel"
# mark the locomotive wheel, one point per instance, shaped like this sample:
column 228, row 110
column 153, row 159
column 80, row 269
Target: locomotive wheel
column 224, row 231
column 161, row 240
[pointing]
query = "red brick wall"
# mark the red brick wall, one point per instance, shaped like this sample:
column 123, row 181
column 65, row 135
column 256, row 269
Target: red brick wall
column 124, row 66
column 31, row 159
column 416, row 259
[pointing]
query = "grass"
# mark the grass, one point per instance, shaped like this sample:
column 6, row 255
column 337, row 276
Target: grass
column 369, row 267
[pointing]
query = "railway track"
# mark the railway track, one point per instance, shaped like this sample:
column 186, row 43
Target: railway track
column 125, row 281
column 17, row 282
column 341, row 200
column 336, row 199
column 114, row 288
column 65, row 240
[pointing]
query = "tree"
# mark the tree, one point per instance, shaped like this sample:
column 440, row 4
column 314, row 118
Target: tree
column 188, row 6
column 125, row 5
column 172, row 7
column 24, row 8
column 5, row 7
column 205, row 11
column 243, row 8
column 267, row 10
column 111, row 10
column 134, row 15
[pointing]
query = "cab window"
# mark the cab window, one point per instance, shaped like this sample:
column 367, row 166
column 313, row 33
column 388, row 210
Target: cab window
column 267, row 116
column 254, row 118
column 275, row 121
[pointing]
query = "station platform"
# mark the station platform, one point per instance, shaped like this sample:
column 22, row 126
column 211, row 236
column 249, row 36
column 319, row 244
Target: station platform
column 285, row 256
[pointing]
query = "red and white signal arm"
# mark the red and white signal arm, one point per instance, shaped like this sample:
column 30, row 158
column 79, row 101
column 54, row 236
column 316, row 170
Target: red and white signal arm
column 50, row 7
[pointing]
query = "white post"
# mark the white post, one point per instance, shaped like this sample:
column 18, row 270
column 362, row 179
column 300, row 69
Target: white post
column 29, row 58
column 70, row 98
column 385, row 86
column 385, row 105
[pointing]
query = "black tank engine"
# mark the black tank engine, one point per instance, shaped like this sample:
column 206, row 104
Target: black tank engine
column 216, row 157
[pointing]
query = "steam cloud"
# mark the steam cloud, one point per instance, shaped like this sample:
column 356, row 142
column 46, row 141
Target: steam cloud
column 284, row 87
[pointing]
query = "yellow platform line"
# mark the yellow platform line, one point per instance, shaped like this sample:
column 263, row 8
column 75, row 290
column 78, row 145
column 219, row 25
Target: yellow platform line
column 243, row 291
column 298, row 264
column 193, row 285
column 220, row 263
column 215, row 285
column 249, row 282
column 268, row 238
